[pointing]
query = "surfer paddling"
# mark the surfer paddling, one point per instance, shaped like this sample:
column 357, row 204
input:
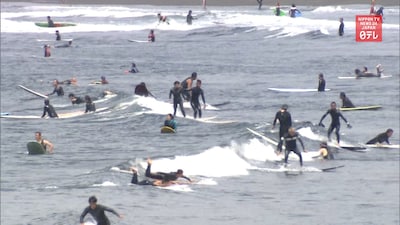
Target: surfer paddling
column 57, row 88
column 47, row 145
column 380, row 138
column 335, row 123
column 97, row 211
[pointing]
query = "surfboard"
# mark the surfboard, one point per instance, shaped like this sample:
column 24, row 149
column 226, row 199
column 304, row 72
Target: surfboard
column 370, row 107
column 296, row 89
column 297, row 13
column 166, row 129
column 5, row 113
column 48, row 40
column 281, row 13
column 137, row 41
column 329, row 169
column 45, row 24
column 382, row 146
column 35, row 148
column 354, row 77
column 269, row 140
column 65, row 115
column 116, row 169
column 32, row 91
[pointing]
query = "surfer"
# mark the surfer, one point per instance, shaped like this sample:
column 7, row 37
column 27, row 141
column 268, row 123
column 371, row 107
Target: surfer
column 346, row 103
column 161, row 18
column 285, row 120
column 189, row 18
column 259, row 4
column 293, row 11
column 365, row 72
column 133, row 68
column 194, row 100
column 72, row 81
column 176, row 92
column 135, row 180
column 335, row 123
column 321, row 82
column 58, row 36
column 341, row 27
column 290, row 140
column 47, row 52
column 372, row 9
column 380, row 138
column 90, row 106
column 47, row 145
column 103, row 80
column 57, row 89
column 325, row 152
column 165, row 177
column 187, row 86
column 379, row 12
column 170, row 122
column 97, row 211
column 141, row 90
column 49, row 110
column 50, row 22
column 75, row 100
column 151, row 37
column 278, row 9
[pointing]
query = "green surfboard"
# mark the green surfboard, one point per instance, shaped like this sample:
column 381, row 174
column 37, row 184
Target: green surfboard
column 35, row 148
column 45, row 24
column 166, row 129
column 281, row 13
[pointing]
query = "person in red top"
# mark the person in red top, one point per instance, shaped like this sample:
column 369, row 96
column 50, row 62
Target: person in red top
column 151, row 37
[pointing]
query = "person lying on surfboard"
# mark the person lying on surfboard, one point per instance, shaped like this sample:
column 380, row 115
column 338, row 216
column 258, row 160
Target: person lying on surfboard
column 346, row 103
column 97, row 211
column 170, row 122
column 75, row 99
column 47, row 145
column 380, row 138
column 57, row 88
column 365, row 72
column 335, row 121
column 49, row 110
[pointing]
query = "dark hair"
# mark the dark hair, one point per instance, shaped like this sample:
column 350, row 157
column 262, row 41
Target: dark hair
column 194, row 74
column 38, row 132
column 389, row 130
column 321, row 74
column 199, row 81
column 88, row 99
column 179, row 171
column 342, row 94
column 92, row 199
column 46, row 101
column 170, row 115
column 284, row 106
column 176, row 82
column 333, row 103
column 71, row 95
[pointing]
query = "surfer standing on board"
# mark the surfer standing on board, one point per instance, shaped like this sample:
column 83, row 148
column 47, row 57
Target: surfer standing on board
column 380, row 138
column 47, row 145
column 290, row 140
column 285, row 120
column 189, row 18
column 57, row 89
column 194, row 100
column 187, row 86
column 335, row 123
column 49, row 110
column 176, row 92
column 97, row 211
column 278, row 9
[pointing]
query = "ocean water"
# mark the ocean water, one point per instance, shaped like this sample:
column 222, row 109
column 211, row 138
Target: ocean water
column 238, row 53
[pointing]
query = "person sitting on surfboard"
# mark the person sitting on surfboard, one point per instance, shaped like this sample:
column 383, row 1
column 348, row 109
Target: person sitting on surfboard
column 47, row 145
column 285, row 120
column 293, row 11
column 50, row 22
column 194, row 100
column 187, row 86
column 151, row 37
column 142, row 90
column 290, row 140
column 57, row 89
column 176, row 92
column 49, row 110
column 325, row 152
column 321, row 82
column 161, row 18
column 90, row 106
column 380, row 138
column 335, row 122
column 133, row 69
column 75, row 100
column 346, row 103
column 170, row 121
column 58, row 36
column 97, row 211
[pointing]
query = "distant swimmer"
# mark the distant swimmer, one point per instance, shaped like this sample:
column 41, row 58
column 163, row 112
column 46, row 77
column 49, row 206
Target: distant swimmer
column 47, row 52
column 341, row 27
column 151, row 37
column 75, row 100
column 90, row 106
column 321, row 82
column 97, row 211
column 278, row 9
column 259, row 4
column 142, row 90
column 170, row 121
column 346, row 103
column 72, row 81
column 293, row 11
column 46, row 144
column 162, row 19
column 380, row 138
column 325, row 152
column 189, row 18
column 176, row 93
column 57, row 89
column 58, row 36
column 335, row 121
column 187, row 86
column 103, row 80
column 194, row 100
column 290, row 140
column 50, row 22
column 49, row 110
column 285, row 120
column 134, row 69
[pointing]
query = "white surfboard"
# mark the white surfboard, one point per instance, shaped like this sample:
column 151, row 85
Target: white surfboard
column 354, row 77
column 383, row 146
column 32, row 91
column 269, row 140
column 296, row 89
column 60, row 115
column 137, row 41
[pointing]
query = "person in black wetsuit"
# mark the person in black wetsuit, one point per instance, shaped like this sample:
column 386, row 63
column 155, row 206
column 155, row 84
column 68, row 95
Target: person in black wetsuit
column 141, row 90
column 58, row 36
column 57, row 89
column 380, row 138
column 341, row 27
column 335, row 123
column 195, row 102
column 49, row 110
column 187, row 86
column 90, row 106
column 50, row 21
column 290, row 140
column 379, row 12
column 321, row 82
column 346, row 103
column 97, row 211
column 176, row 92
column 134, row 69
column 285, row 120
column 47, row 145
column 293, row 10
column 189, row 18
column 75, row 100
column 278, row 9
column 259, row 4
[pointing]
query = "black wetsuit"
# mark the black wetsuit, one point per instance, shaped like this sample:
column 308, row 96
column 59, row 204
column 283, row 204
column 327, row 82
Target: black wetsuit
column 98, row 214
column 177, row 94
column 186, row 90
column 321, row 85
column 291, row 145
column 277, row 11
column 341, row 29
column 165, row 177
column 90, row 107
column 189, row 19
column 134, row 70
column 49, row 110
column 58, row 38
column 135, row 180
column 335, row 123
column 259, row 3
column 59, row 90
column 346, row 103
column 50, row 23
column 292, row 12
column 194, row 101
column 78, row 100
column 383, row 137
column 142, row 90
column 285, row 122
